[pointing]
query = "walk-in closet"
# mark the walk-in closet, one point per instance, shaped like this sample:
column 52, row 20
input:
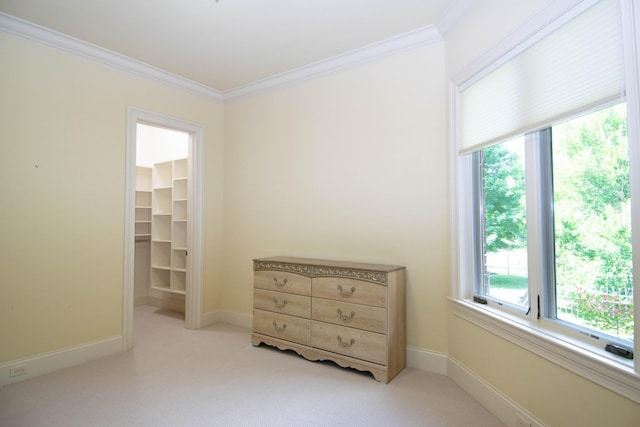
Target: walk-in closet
column 161, row 232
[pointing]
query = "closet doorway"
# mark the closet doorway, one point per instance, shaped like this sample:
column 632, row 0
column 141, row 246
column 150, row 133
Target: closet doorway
column 163, row 247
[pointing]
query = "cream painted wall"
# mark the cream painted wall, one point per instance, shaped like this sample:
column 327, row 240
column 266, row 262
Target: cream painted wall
column 352, row 166
column 62, row 172
column 554, row 395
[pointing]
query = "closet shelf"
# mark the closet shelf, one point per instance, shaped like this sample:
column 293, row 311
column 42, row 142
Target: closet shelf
column 143, row 203
column 169, row 212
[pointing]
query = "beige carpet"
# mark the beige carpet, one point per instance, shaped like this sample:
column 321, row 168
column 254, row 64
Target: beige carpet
column 213, row 377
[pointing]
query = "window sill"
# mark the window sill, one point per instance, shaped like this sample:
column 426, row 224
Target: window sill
column 580, row 358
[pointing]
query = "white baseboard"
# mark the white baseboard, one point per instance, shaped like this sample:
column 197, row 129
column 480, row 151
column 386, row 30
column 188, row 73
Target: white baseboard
column 425, row 360
column 496, row 402
column 210, row 318
column 53, row 361
column 226, row 316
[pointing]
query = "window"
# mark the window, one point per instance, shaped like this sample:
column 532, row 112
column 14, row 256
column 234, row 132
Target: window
column 501, row 237
column 547, row 192
column 582, row 184
column 592, row 225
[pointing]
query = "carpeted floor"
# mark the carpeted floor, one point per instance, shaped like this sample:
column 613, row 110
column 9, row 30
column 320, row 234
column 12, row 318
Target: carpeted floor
column 213, row 377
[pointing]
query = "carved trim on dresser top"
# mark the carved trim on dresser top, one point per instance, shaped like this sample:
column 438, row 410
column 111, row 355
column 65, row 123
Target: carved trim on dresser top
column 322, row 271
column 291, row 268
column 369, row 276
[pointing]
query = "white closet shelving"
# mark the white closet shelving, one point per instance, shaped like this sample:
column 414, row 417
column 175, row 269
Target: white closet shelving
column 143, row 203
column 169, row 226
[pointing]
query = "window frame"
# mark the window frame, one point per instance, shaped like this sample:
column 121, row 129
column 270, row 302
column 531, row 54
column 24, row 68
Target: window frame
column 551, row 339
column 542, row 293
column 479, row 230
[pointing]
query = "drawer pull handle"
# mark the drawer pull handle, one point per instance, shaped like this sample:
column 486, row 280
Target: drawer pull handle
column 344, row 293
column 345, row 344
column 346, row 318
column 279, row 304
column 279, row 284
column 279, row 328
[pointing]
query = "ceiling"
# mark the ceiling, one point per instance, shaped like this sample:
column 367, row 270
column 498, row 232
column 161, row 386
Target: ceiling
column 227, row 44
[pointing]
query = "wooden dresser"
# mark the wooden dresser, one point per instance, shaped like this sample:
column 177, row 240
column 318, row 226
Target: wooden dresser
column 350, row 313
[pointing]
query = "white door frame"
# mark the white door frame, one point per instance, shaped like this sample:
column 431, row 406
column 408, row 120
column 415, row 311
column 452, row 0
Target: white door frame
column 193, row 298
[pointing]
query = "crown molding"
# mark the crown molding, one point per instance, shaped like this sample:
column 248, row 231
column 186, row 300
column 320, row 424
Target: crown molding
column 400, row 43
column 37, row 33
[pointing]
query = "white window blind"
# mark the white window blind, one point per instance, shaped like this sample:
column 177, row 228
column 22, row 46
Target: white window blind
column 574, row 68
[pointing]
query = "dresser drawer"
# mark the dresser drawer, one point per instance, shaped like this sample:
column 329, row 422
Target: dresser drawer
column 280, row 302
column 352, row 315
column 350, row 290
column 351, row 342
column 281, row 326
column 282, row 282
